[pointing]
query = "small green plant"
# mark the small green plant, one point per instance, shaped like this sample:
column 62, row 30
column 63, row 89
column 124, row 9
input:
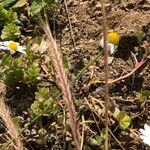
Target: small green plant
column 20, row 70
column 124, row 120
column 140, row 35
column 6, row 3
column 45, row 106
column 13, row 3
column 10, row 31
column 31, row 75
column 86, row 147
column 38, row 5
column 43, row 135
column 97, row 141
column 145, row 94
column 8, row 16
column 13, row 71
column 9, row 22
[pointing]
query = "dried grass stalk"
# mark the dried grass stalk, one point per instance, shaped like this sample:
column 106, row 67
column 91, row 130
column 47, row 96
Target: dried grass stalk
column 63, row 82
column 6, row 117
column 106, row 65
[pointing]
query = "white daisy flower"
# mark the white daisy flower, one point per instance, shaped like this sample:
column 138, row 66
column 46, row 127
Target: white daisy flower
column 145, row 134
column 112, row 48
column 112, row 42
column 12, row 46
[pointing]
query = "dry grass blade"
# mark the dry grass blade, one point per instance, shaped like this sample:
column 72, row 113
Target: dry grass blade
column 5, row 115
column 106, row 55
column 62, row 80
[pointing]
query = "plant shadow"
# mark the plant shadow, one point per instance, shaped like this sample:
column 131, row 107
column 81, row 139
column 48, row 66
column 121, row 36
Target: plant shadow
column 20, row 97
column 126, row 46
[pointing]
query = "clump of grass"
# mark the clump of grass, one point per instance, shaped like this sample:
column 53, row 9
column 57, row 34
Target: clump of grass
column 63, row 82
column 11, row 129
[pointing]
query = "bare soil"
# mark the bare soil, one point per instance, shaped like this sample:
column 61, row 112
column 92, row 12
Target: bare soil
column 125, row 17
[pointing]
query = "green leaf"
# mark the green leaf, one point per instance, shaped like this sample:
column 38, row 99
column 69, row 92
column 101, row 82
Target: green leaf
column 6, row 3
column 42, row 133
column 11, row 32
column 54, row 91
column 47, row 103
column 97, row 140
column 44, row 104
column 36, row 108
column 86, row 147
column 43, row 93
column 31, row 75
column 3, row 15
column 16, row 122
column 140, row 35
column 7, row 16
column 12, row 17
column 124, row 120
column 120, row 115
column 13, row 76
column 65, row 62
column 36, row 7
column 94, row 142
column 145, row 93
column 20, row 3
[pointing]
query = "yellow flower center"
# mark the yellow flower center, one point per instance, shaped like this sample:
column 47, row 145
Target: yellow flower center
column 113, row 38
column 12, row 45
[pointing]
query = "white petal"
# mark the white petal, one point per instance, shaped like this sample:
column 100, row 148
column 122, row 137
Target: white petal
column 17, row 43
column 102, row 42
column 12, row 51
column 5, row 43
column 111, row 48
column 142, row 131
column 147, row 129
column 147, row 141
column 4, row 48
column 1, row 43
column 7, row 49
column 21, row 49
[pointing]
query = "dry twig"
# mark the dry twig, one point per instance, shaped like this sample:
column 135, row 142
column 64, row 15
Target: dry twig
column 138, row 65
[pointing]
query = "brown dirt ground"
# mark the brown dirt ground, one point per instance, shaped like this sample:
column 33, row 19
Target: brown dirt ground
column 126, row 18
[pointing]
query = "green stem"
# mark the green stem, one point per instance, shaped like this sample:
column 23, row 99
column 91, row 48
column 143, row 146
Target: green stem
column 81, row 72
